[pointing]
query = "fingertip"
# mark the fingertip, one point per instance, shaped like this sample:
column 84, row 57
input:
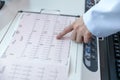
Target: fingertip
column 58, row 37
column 64, row 32
column 87, row 39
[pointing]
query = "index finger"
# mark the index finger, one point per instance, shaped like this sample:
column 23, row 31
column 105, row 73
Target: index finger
column 65, row 31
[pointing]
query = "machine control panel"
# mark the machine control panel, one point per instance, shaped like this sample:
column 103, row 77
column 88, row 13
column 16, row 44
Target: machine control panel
column 90, row 55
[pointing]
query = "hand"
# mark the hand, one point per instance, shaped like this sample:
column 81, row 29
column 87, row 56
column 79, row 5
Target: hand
column 80, row 32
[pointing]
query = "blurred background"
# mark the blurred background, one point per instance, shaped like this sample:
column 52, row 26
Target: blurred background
column 11, row 7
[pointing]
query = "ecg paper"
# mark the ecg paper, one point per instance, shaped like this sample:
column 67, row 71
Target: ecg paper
column 16, row 69
column 34, row 53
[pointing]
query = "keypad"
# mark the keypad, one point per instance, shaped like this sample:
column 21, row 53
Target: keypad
column 90, row 54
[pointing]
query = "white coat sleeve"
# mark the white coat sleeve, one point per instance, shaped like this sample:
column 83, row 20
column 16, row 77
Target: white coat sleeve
column 103, row 19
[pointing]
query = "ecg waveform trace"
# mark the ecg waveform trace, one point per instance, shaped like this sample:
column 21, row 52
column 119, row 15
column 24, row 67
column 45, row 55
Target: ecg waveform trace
column 35, row 38
column 34, row 53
